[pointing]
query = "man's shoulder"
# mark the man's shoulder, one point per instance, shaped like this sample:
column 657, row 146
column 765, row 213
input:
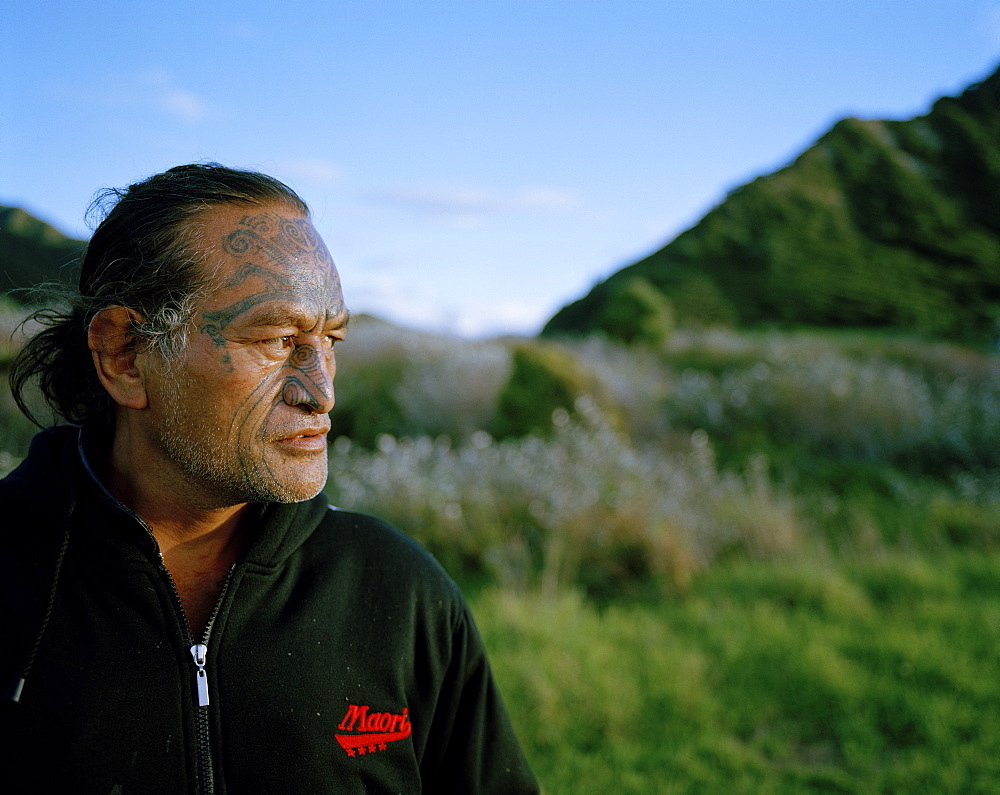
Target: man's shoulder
column 40, row 480
column 371, row 536
column 374, row 548
column 46, row 448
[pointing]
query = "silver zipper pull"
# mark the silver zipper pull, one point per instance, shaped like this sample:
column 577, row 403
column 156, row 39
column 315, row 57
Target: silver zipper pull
column 199, row 652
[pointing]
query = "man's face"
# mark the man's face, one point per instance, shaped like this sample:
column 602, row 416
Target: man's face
column 241, row 415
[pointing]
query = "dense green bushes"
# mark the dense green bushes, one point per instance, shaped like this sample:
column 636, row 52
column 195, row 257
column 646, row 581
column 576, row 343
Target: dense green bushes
column 636, row 312
column 545, row 381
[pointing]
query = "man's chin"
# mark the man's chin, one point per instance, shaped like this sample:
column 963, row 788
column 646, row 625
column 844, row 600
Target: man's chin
column 298, row 480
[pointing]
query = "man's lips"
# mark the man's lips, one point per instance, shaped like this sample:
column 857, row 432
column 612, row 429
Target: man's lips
column 305, row 439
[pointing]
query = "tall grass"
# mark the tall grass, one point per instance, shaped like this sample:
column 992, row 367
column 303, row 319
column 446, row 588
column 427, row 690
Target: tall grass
column 582, row 507
column 878, row 676
column 931, row 411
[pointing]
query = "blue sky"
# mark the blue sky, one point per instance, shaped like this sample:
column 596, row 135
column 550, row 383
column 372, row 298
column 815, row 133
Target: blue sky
column 473, row 166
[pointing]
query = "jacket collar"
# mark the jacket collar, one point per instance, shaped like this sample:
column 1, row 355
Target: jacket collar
column 274, row 531
column 65, row 467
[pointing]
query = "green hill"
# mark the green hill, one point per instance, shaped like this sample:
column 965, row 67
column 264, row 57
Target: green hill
column 32, row 251
column 879, row 224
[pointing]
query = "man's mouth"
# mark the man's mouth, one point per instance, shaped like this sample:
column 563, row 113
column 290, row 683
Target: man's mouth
column 307, row 440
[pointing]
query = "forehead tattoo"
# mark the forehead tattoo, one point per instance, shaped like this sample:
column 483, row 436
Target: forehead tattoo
column 267, row 245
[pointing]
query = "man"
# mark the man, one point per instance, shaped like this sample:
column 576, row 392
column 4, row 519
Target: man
column 181, row 610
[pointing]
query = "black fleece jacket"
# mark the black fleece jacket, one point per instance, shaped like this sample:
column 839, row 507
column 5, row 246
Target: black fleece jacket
column 341, row 658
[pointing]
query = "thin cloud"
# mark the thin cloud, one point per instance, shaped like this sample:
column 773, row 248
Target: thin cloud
column 466, row 201
column 315, row 170
column 545, row 199
column 448, row 200
column 500, row 318
column 388, row 293
column 183, row 105
column 180, row 103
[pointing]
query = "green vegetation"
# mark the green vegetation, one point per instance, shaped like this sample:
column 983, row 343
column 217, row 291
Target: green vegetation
column 32, row 252
column 736, row 561
column 776, row 569
column 868, row 676
column 15, row 429
column 718, row 444
column 636, row 312
column 888, row 225
column 543, row 379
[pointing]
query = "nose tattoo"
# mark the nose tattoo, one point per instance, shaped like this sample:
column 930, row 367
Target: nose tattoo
column 311, row 389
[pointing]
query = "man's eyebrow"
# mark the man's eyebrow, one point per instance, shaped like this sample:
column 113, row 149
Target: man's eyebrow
column 276, row 316
column 283, row 317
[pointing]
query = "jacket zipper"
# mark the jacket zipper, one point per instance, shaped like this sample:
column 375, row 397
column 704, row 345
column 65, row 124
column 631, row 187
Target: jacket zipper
column 199, row 651
column 199, row 655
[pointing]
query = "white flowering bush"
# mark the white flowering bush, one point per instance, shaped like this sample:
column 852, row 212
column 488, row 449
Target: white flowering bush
column 611, row 500
column 930, row 412
column 582, row 507
column 391, row 380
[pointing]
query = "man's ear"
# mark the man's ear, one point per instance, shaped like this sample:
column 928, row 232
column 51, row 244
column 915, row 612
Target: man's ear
column 109, row 339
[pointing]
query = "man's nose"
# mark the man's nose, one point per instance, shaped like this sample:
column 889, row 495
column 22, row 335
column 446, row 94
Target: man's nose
column 310, row 380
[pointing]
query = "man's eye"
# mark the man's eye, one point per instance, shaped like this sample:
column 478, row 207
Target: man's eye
column 279, row 342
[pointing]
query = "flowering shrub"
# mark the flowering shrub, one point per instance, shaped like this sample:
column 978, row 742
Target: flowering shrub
column 929, row 414
column 394, row 381
column 627, row 489
column 582, row 507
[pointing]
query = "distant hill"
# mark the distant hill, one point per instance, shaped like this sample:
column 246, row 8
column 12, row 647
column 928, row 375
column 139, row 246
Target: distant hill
column 885, row 224
column 32, row 251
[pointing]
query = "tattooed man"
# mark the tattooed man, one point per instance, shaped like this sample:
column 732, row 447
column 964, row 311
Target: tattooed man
column 181, row 609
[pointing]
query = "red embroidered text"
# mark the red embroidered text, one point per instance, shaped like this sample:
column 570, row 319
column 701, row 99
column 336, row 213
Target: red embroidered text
column 371, row 731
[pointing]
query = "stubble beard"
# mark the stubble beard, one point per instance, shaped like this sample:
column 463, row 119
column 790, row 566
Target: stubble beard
column 217, row 469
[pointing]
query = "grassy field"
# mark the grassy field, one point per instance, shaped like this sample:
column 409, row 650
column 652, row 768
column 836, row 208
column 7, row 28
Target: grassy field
column 737, row 562
column 874, row 676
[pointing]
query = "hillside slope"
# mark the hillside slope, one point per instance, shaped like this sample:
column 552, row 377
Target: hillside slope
column 32, row 251
column 887, row 224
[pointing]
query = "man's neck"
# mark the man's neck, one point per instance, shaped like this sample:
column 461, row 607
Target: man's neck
column 198, row 541
column 198, row 557
column 186, row 520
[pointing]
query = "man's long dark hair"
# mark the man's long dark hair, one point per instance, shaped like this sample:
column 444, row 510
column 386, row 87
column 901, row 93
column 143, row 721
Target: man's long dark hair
column 143, row 256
